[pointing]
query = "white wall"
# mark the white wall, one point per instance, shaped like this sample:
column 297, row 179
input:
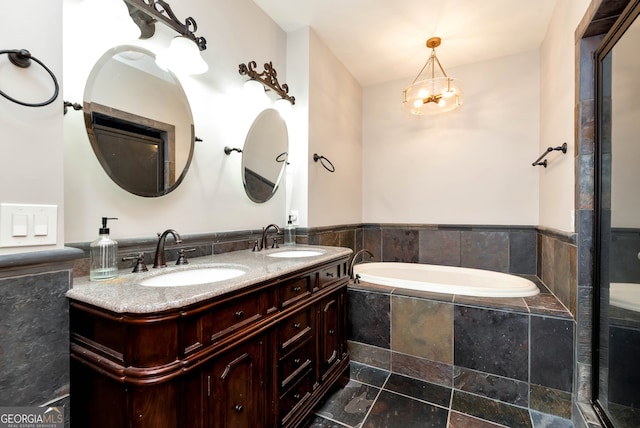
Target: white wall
column 31, row 138
column 557, row 103
column 211, row 197
column 467, row 166
column 335, row 131
column 297, row 172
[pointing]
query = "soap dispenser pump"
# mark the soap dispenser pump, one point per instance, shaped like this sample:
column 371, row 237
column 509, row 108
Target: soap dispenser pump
column 290, row 233
column 103, row 254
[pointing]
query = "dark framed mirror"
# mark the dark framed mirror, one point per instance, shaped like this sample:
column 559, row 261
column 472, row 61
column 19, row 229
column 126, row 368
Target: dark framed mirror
column 138, row 121
column 616, row 390
column 264, row 156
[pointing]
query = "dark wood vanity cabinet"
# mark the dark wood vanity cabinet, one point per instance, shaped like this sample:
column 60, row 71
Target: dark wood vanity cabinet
column 262, row 356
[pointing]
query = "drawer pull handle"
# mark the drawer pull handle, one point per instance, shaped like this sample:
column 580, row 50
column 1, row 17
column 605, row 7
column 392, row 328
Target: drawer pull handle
column 296, row 361
column 238, row 408
column 297, row 396
column 330, row 274
column 331, row 331
column 297, row 289
column 296, row 325
column 239, row 314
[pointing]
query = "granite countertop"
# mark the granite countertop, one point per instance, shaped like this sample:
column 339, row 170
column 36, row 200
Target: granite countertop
column 124, row 294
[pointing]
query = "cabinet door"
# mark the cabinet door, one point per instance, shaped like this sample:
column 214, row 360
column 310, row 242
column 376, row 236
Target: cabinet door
column 236, row 387
column 331, row 331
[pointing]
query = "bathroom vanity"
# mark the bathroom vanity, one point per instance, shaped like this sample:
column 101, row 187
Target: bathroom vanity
column 258, row 350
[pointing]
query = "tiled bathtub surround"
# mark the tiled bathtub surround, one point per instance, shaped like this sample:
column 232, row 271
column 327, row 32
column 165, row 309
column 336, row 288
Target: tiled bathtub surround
column 518, row 351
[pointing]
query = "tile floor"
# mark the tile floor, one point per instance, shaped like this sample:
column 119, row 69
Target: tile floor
column 376, row 398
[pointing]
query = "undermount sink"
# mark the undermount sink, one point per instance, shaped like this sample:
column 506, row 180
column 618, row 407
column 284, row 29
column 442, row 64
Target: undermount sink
column 193, row 276
column 295, row 253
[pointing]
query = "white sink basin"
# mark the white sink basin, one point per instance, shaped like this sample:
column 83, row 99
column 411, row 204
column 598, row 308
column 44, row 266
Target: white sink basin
column 295, row 253
column 193, row 277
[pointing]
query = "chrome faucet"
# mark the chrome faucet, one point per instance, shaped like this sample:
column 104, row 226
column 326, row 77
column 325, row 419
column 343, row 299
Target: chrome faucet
column 159, row 259
column 263, row 244
column 356, row 278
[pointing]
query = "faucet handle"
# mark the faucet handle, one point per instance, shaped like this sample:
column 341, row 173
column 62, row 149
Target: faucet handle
column 256, row 245
column 139, row 258
column 275, row 243
column 182, row 260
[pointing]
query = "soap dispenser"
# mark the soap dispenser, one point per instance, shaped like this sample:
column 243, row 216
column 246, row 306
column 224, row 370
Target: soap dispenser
column 289, row 233
column 104, row 255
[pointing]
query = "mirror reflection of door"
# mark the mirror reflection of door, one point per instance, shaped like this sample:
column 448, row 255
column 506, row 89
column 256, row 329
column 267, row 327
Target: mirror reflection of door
column 132, row 159
column 618, row 389
column 138, row 121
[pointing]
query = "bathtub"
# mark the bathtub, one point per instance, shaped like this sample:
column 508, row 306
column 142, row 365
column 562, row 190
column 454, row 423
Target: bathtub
column 625, row 295
column 445, row 279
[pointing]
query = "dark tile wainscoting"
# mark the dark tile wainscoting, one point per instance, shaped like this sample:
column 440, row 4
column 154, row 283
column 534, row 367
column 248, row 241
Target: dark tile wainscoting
column 34, row 322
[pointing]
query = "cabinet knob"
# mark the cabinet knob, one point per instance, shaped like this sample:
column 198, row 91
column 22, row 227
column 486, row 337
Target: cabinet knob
column 296, row 361
column 296, row 325
column 331, row 331
column 238, row 408
column 297, row 289
column 296, row 396
column 239, row 314
column 330, row 274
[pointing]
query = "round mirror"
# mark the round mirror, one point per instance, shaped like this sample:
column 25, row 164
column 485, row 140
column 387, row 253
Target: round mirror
column 264, row 156
column 139, row 122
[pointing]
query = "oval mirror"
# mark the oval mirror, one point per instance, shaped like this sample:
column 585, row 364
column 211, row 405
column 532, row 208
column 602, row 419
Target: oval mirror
column 264, row 155
column 139, row 122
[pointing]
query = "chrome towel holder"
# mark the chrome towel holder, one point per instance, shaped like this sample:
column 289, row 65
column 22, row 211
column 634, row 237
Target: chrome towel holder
column 22, row 58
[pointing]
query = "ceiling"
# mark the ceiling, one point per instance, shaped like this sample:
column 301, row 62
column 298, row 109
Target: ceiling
column 383, row 40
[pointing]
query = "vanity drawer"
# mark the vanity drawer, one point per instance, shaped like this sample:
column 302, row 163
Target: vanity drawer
column 293, row 291
column 328, row 276
column 296, row 362
column 226, row 319
column 294, row 397
column 294, row 329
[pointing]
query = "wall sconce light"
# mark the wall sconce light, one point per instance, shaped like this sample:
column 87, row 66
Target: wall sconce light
column 183, row 54
column 444, row 93
column 269, row 78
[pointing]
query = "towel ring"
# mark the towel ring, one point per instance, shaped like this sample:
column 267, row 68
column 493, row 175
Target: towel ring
column 326, row 163
column 22, row 58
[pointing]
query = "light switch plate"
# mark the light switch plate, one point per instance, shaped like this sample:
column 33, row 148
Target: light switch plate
column 23, row 225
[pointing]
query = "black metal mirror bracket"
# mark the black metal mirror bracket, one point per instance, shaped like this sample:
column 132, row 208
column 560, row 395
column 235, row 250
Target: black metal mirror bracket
column 74, row 106
column 145, row 13
column 269, row 78
column 22, row 58
column 326, row 163
column 228, row 150
column 562, row 148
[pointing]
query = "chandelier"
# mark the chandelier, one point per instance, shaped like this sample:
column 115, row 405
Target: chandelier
column 432, row 93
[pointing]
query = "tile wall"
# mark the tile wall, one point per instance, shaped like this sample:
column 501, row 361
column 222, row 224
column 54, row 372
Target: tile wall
column 517, row 351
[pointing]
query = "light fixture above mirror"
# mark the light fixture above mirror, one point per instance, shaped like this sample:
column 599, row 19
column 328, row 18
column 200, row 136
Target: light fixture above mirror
column 268, row 78
column 183, row 54
column 432, row 93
